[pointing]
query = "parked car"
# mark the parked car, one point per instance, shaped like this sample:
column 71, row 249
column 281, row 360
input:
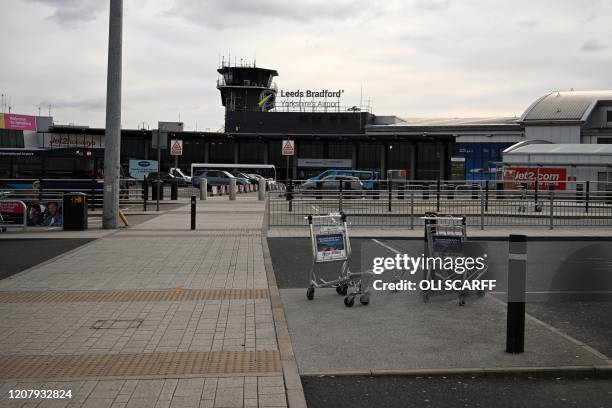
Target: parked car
column 180, row 176
column 269, row 181
column 216, row 178
column 367, row 177
column 165, row 177
column 352, row 186
column 249, row 177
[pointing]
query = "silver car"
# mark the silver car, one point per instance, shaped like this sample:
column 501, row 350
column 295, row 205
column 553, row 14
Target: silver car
column 352, row 186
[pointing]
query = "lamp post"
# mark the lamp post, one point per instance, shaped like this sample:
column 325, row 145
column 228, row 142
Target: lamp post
column 112, row 149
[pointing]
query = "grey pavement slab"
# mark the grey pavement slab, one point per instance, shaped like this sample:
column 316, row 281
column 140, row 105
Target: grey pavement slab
column 397, row 331
column 222, row 392
column 225, row 253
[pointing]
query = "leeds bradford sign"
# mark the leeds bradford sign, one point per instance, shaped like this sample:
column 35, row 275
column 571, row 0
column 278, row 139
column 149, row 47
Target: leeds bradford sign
column 313, row 98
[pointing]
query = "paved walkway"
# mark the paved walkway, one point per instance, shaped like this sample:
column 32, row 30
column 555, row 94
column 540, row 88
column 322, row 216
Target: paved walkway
column 151, row 316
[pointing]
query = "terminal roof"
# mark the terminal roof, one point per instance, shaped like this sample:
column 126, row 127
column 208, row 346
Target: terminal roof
column 572, row 106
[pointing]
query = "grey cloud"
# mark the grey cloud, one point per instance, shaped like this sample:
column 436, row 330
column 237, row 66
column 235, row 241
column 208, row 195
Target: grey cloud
column 74, row 12
column 222, row 14
column 529, row 23
column 433, row 4
column 592, row 45
column 97, row 104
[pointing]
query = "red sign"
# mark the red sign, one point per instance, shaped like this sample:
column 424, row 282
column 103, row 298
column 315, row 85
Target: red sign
column 19, row 122
column 176, row 147
column 11, row 208
column 544, row 175
column 288, row 148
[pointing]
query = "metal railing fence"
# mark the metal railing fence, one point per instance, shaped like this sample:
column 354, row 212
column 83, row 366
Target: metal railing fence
column 390, row 203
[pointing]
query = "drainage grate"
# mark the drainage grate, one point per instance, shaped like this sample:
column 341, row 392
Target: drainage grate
column 167, row 295
column 117, row 324
column 213, row 363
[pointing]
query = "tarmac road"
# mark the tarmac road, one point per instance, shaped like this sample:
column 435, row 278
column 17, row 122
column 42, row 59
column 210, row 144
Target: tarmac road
column 20, row 254
column 554, row 268
column 458, row 391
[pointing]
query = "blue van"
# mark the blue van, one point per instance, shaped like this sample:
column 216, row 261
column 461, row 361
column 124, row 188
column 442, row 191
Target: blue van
column 366, row 176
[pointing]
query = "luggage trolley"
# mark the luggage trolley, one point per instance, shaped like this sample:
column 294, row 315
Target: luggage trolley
column 524, row 201
column 331, row 243
column 445, row 236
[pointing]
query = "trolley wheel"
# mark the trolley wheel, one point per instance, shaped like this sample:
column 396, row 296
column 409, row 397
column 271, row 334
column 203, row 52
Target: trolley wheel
column 342, row 290
column 365, row 299
column 480, row 293
column 349, row 301
column 426, row 297
column 310, row 293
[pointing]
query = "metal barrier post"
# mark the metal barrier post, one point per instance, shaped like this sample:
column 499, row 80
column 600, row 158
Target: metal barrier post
column 193, row 212
column 517, row 277
column 487, row 196
column 340, row 194
column 411, row 209
column 203, row 189
column 261, row 191
column 400, row 191
column 93, row 194
column 268, row 209
column 438, row 196
column 390, row 194
column 551, row 192
column 232, row 189
column 482, row 209
column 588, row 195
column 289, row 194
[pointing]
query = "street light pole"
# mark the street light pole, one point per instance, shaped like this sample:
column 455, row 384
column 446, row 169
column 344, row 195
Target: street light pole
column 112, row 143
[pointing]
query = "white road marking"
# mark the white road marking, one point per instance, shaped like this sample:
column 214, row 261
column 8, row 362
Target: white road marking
column 390, row 248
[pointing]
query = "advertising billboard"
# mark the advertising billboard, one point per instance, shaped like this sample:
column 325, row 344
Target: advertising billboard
column 515, row 176
column 139, row 169
column 17, row 122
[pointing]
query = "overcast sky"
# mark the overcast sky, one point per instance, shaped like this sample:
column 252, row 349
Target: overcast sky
column 414, row 58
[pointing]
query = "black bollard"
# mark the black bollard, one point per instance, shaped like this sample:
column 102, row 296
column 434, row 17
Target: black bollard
column 193, row 212
column 517, row 278
column 174, row 190
column 145, row 194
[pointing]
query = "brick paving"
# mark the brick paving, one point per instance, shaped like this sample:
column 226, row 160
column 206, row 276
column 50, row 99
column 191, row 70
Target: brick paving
column 88, row 307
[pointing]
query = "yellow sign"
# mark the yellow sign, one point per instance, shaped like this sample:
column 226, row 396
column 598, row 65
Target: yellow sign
column 263, row 100
column 1, row 120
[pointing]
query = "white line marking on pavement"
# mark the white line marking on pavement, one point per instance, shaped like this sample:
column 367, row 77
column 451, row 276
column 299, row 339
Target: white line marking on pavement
column 390, row 248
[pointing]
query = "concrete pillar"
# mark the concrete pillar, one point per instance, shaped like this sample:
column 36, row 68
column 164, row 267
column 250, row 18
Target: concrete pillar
column 232, row 189
column 203, row 189
column 262, row 190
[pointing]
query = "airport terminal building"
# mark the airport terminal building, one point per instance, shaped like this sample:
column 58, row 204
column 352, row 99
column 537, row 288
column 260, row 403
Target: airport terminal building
column 259, row 116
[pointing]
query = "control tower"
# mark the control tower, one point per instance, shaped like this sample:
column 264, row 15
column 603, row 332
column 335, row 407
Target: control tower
column 246, row 87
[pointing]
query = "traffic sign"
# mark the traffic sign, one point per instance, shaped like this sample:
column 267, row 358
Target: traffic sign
column 176, row 147
column 288, row 147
